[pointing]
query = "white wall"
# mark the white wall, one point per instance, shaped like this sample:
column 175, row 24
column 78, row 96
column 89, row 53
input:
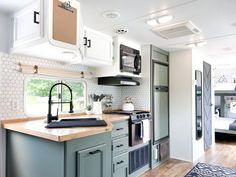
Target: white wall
column 4, row 32
column 2, row 131
column 181, row 105
column 198, row 145
column 183, row 143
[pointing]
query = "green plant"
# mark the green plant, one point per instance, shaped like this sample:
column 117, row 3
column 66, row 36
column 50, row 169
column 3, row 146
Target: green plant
column 89, row 107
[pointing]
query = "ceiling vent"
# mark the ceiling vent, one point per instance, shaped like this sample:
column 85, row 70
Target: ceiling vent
column 176, row 30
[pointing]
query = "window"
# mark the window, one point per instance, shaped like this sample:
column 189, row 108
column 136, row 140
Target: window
column 37, row 92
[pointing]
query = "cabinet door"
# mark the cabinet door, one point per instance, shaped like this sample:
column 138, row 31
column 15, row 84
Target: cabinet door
column 27, row 24
column 91, row 162
column 98, row 46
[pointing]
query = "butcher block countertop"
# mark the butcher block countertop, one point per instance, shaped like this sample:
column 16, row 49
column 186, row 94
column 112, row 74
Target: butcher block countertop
column 36, row 127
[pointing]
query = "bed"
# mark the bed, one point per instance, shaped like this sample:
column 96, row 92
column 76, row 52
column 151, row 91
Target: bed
column 225, row 125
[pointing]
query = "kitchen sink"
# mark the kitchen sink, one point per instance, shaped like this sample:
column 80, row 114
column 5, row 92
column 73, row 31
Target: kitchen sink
column 77, row 122
column 80, row 119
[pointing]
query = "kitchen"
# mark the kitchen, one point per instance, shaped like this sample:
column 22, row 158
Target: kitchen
column 157, row 77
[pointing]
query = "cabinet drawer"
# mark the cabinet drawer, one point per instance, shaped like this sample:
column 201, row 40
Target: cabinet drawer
column 121, row 172
column 119, row 128
column 120, row 161
column 120, row 145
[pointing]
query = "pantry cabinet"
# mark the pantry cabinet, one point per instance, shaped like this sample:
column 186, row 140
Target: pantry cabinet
column 98, row 47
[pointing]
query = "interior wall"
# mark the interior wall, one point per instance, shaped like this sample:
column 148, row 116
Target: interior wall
column 197, row 64
column 181, row 105
column 4, row 32
column 12, row 90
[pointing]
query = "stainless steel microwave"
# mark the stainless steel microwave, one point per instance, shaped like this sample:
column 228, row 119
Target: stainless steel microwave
column 130, row 60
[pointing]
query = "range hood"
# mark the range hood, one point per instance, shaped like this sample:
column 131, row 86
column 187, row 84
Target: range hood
column 117, row 81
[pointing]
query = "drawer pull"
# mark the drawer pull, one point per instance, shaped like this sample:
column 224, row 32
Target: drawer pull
column 94, row 152
column 118, row 129
column 120, row 145
column 120, row 162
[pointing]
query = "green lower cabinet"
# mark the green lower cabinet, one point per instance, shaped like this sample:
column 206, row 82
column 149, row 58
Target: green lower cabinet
column 29, row 156
column 120, row 146
column 121, row 172
column 91, row 162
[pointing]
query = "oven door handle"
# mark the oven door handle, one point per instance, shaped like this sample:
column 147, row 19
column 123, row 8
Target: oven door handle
column 141, row 128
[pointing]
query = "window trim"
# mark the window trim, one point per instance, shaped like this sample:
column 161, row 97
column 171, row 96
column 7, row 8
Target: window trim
column 57, row 80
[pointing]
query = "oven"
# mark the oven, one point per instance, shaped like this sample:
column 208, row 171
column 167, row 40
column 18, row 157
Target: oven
column 130, row 60
column 139, row 131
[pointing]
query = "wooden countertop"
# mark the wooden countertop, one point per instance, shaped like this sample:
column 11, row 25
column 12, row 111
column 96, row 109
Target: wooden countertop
column 36, row 127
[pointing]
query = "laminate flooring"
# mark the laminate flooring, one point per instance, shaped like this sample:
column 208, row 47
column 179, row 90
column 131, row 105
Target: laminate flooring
column 223, row 153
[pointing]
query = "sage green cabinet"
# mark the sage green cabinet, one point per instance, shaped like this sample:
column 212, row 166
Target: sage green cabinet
column 120, row 145
column 29, row 156
column 91, row 161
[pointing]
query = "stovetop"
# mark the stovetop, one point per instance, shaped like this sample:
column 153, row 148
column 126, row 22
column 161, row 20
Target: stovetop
column 134, row 115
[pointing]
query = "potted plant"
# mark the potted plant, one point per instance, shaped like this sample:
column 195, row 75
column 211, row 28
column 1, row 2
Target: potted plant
column 89, row 110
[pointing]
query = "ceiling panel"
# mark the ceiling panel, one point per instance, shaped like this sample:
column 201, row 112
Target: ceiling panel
column 10, row 6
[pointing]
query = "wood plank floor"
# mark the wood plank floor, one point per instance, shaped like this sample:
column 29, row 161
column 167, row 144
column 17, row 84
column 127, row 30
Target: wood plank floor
column 221, row 154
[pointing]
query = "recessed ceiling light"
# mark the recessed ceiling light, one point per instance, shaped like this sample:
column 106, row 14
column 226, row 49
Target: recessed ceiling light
column 227, row 49
column 201, row 43
column 191, row 45
column 165, row 18
column 111, row 14
column 152, row 22
column 197, row 44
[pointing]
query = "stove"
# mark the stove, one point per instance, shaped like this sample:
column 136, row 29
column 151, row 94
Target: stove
column 135, row 116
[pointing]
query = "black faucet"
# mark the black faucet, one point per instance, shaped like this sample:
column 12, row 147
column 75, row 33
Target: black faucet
column 50, row 102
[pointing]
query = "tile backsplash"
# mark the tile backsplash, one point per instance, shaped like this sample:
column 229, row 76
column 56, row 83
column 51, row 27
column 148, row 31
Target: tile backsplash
column 12, row 83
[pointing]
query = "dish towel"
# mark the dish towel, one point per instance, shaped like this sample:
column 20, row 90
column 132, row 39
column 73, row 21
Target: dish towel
column 146, row 130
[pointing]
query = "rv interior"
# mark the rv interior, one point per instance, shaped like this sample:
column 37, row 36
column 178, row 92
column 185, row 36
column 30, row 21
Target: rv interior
column 99, row 88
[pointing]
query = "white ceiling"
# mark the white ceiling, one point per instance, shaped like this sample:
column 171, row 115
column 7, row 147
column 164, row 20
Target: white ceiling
column 216, row 19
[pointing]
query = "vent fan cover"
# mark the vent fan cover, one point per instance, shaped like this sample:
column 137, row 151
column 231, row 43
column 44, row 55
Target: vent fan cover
column 176, row 30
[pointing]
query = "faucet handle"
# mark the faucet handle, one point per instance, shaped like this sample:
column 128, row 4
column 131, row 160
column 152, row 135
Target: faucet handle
column 57, row 113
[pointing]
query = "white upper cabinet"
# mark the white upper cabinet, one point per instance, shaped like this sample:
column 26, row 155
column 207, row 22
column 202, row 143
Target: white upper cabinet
column 98, row 48
column 50, row 29
column 27, row 26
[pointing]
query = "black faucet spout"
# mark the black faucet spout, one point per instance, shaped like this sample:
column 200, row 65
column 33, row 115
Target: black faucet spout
column 50, row 117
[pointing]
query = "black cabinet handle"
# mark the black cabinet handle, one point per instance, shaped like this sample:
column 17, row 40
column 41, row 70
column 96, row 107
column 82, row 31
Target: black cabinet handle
column 89, row 43
column 35, row 17
column 120, row 145
column 120, row 162
column 85, row 41
column 94, row 152
column 118, row 129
